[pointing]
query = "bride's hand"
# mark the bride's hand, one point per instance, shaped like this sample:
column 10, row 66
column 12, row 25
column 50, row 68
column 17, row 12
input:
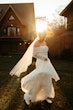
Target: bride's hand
column 45, row 59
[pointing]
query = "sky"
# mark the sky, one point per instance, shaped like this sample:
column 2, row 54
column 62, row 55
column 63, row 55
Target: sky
column 48, row 8
column 42, row 6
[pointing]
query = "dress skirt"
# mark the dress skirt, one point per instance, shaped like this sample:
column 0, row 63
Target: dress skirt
column 38, row 84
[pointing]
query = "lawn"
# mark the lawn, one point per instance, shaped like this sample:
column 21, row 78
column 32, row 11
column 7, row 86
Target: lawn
column 11, row 96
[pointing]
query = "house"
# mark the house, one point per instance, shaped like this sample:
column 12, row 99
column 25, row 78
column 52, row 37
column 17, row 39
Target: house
column 67, row 37
column 17, row 27
column 61, row 46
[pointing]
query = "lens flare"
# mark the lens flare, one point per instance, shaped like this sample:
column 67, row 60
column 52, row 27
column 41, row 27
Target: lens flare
column 41, row 26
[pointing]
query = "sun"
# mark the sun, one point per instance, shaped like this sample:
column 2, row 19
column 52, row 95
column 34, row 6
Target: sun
column 41, row 26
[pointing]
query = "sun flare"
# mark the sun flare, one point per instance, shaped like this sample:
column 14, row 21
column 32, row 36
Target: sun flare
column 41, row 26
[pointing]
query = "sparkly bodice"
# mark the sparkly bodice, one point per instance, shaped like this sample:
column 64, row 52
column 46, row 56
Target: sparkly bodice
column 42, row 50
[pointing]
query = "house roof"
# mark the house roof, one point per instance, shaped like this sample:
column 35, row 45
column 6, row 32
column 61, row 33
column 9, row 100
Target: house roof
column 24, row 11
column 67, row 10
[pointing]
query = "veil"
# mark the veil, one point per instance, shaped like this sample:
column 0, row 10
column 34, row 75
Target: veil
column 24, row 62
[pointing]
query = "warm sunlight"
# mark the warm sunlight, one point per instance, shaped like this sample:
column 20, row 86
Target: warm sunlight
column 45, row 8
column 49, row 7
column 41, row 26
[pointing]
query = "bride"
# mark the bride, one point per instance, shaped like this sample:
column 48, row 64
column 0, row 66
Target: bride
column 37, row 85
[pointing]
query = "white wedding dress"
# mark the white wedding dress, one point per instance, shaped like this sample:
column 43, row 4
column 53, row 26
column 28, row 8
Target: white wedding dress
column 38, row 85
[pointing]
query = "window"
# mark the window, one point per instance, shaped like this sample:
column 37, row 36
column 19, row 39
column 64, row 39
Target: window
column 11, row 18
column 11, row 31
column 18, row 31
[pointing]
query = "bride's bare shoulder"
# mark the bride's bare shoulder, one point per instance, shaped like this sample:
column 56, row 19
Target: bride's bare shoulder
column 37, row 44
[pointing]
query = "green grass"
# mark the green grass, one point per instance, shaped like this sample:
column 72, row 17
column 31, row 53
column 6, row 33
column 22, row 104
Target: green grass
column 63, row 88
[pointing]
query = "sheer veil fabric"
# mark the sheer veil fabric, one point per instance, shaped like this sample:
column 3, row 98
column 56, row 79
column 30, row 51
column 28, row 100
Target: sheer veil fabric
column 24, row 62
